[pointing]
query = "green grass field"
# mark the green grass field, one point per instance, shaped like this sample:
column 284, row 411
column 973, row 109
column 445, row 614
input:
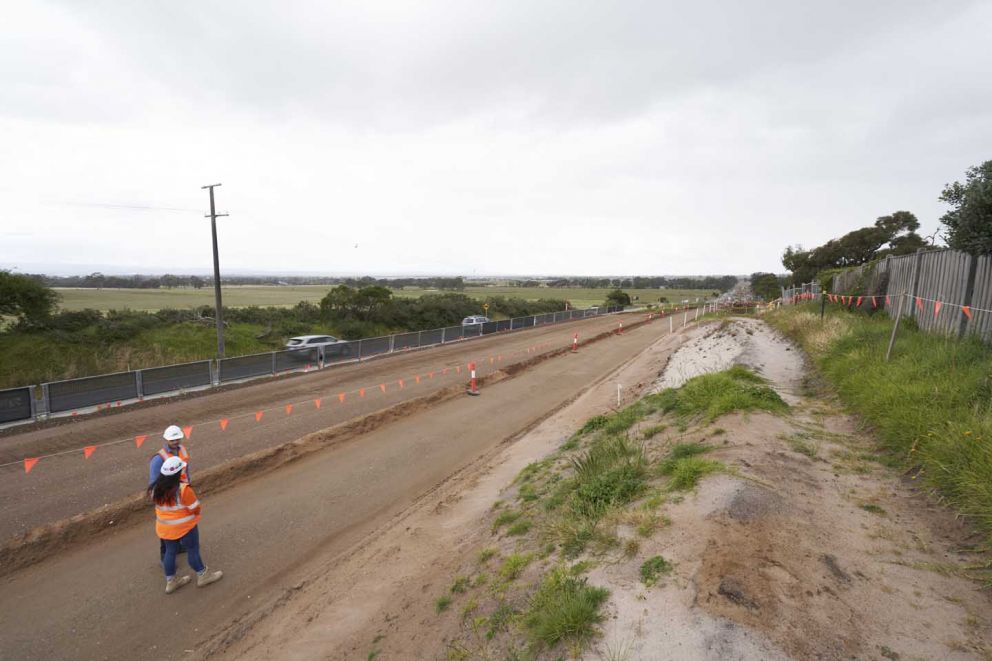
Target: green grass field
column 265, row 295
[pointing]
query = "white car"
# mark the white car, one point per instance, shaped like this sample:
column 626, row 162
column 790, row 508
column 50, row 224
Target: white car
column 474, row 320
column 330, row 345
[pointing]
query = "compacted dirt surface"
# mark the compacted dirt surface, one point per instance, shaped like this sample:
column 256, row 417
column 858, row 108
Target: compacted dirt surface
column 805, row 548
column 273, row 534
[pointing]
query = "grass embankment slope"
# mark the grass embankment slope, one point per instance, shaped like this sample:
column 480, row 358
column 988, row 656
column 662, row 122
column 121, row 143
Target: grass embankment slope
column 930, row 405
column 287, row 296
column 596, row 497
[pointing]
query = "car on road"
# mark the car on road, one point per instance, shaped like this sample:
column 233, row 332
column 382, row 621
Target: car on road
column 474, row 320
column 328, row 345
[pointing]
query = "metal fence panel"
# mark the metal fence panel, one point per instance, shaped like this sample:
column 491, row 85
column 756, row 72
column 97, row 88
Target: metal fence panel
column 90, row 391
column 287, row 361
column 339, row 352
column 452, row 333
column 374, row 346
column 15, row 404
column 980, row 323
column 157, row 380
column 504, row 325
column 475, row 330
column 244, row 367
column 489, row 327
column 429, row 337
column 406, row 341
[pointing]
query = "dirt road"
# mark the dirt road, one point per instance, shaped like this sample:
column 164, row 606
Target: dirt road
column 68, row 484
column 106, row 600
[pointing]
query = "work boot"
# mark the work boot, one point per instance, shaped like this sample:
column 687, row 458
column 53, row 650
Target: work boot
column 174, row 583
column 207, row 577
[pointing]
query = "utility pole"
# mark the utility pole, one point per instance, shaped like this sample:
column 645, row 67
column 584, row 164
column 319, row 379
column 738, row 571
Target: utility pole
column 218, row 314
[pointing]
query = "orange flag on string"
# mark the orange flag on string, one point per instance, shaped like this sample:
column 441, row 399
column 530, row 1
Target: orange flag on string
column 458, row 369
column 919, row 303
column 874, row 303
column 138, row 440
column 258, row 415
column 188, row 431
column 417, row 378
column 859, row 300
column 382, row 387
column 402, row 385
column 289, row 409
column 966, row 310
column 361, row 392
column 936, row 308
column 430, row 375
column 316, row 402
column 341, row 397
column 888, row 301
column 89, row 450
column 444, row 372
column 29, row 463
column 223, row 424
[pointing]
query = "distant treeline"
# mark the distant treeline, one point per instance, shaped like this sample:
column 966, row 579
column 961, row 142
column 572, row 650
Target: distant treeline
column 169, row 281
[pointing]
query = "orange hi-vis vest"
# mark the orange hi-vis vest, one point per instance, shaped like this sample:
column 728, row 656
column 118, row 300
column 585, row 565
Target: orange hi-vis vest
column 174, row 520
column 184, row 455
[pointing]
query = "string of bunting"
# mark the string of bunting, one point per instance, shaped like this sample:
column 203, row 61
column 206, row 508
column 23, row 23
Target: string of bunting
column 855, row 300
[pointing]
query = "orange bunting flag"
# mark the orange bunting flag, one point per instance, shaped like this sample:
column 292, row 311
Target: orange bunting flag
column 138, row 440
column 458, row 369
column 874, row 303
column 966, row 310
column 382, row 387
column 888, row 301
column 289, row 409
column 919, row 303
column 491, row 361
column 89, row 450
column 258, row 415
column 444, row 372
column 859, row 300
column 361, row 392
column 341, row 397
column 29, row 463
column 223, row 424
column 188, row 431
column 316, row 402
column 402, row 385
column 430, row 375
column 936, row 308
column 417, row 378
column 499, row 357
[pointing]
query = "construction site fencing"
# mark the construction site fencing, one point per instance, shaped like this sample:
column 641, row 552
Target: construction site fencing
column 930, row 282
column 30, row 402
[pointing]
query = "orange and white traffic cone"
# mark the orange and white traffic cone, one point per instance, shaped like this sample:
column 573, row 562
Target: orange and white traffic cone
column 620, row 329
column 575, row 343
column 473, row 386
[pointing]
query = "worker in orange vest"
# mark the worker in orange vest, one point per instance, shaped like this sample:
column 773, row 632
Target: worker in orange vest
column 173, row 447
column 177, row 515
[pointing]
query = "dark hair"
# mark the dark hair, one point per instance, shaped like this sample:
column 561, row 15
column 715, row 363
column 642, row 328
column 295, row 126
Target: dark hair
column 164, row 489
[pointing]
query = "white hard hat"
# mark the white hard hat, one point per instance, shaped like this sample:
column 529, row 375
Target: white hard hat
column 173, row 433
column 172, row 465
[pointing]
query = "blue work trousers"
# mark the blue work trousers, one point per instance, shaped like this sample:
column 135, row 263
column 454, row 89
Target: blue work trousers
column 191, row 541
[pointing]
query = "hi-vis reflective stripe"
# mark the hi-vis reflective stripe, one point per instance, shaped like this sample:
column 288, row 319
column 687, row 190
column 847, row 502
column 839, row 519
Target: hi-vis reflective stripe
column 174, row 522
column 173, row 508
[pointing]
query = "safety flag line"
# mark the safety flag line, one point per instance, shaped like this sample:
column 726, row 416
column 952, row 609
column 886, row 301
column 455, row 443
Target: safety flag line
column 918, row 301
column 30, row 462
column 223, row 424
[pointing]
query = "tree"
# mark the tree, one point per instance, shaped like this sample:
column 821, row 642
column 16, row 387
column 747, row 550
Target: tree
column 196, row 282
column 25, row 298
column 896, row 231
column 339, row 303
column 969, row 222
column 618, row 297
column 766, row 285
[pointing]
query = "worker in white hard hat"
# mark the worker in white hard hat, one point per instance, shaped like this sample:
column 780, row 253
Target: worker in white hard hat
column 177, row 518
column 173, row 447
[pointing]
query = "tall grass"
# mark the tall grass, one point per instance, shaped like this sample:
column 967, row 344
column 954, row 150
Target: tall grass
column 711, row 395
column 564, row 608
column 931, row 405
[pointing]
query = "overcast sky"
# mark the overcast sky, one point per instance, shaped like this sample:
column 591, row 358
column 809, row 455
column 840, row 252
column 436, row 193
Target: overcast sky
column 478, row 138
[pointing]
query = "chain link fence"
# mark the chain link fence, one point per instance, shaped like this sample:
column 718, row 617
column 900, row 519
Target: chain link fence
column 18, row 404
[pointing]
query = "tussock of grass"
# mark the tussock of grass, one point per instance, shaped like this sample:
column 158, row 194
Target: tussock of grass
column 514, row 565
column 652, row 431
column 519, row 528
column 442, row 604
column 653, row 569
column 930, row 405
column 802, row 443
column 564, row 608
column 684, row 474
column 710, row 396
column 504, row 518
